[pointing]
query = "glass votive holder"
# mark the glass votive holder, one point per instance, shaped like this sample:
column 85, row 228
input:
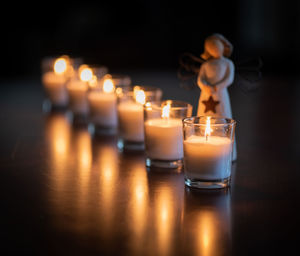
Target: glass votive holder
column 208, row 144
column 85, row 78
column 131, row 115
column 102, row 99
column 164, row 133
column 56, row 72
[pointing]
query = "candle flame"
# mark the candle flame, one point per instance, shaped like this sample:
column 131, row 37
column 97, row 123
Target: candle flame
column 208, row 129
column 93, row 82
column 108, row 85
column 148, row 105
column 166, row 110
column 60, row 65
column 119, row 91
column 85, row 73
column 139, row 95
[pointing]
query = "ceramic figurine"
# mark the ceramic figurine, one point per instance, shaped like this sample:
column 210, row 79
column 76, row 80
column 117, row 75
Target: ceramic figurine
column 213, row 72
column 215, row 75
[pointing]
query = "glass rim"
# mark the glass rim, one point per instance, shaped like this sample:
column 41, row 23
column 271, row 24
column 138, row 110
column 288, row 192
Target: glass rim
column 55, row 57
column 184, row 104
column 190, row 121
column 146, row 88
column 118, row 75
column 159, row 105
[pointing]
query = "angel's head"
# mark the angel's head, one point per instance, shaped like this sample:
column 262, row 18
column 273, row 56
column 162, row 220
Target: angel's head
column 216, row 46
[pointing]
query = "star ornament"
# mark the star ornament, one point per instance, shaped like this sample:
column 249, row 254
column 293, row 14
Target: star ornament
column 210, row 104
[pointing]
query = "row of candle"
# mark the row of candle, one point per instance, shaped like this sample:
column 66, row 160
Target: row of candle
column 164, row 128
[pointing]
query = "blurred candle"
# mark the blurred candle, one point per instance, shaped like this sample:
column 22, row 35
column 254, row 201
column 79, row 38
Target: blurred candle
column 131, row 117
column 55, row 82
column 208, row 157
column 164, row 137
column 103, row 105
column 77, row 90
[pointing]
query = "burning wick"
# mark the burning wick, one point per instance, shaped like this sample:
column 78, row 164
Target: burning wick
column 208, row 130
column 108, row 85
column 60, row 65
column 166, row 110
column 139, row 95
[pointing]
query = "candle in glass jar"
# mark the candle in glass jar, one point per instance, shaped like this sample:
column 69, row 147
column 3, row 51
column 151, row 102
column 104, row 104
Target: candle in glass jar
column 77, row 90
column 207, row 157
column 103, row 105
column 55, row 82
column 163, row 139
column 131, row 117
column 131, row 121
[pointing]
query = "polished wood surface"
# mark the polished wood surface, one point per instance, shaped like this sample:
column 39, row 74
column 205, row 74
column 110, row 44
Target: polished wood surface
column 66, row 192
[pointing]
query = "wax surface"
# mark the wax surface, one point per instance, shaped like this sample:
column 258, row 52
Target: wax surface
column 77, row 91
column 103, row 108
column 51, row 79
column 207, row 160
column 164, row 139
column 131, row 121
column 55, row 88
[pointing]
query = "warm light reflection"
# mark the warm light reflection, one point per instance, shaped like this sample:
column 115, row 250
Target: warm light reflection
column 164, row 219
column 139, row 95
column 207, row 223
column 60, row 65
column 206, row 232
column 59, row 139
column 107, row 165
column 83, row 154
column 58, row 133
column 85, row 73
column 84, row 149
column 139, row 195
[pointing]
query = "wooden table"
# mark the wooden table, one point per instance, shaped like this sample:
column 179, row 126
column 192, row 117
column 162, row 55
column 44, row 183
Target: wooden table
column 65, row 192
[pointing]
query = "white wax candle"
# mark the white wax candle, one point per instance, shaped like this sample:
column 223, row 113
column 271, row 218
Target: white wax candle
column 164, row 139
column 207, row 159
column 131, row 121
column 78, row 96
column 103, row 108
column 55, row 87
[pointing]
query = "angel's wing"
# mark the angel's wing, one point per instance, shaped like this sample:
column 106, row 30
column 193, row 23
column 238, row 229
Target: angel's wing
column 189, row 66
column 248, row 74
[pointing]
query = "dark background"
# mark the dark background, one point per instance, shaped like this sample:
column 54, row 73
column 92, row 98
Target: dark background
column 146, row 34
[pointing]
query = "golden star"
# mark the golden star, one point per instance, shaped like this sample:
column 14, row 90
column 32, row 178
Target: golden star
column 210, row 104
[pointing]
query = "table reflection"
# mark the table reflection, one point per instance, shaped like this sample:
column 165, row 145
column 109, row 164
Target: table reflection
column 138, row 194
column 166, row 192
column 106, row 166
column 207, row 222
column 58, row 136
column 82, row 158
column 135, row 190
column 97, row 191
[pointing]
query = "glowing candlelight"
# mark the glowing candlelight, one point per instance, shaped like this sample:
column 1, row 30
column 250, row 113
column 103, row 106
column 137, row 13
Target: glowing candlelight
column 166, row 110
column 139, row 95
column 103, row 105
column 85, row 73
column 208, row 130
column 163, row 134
column 108, row 86
column 60, row 65
column 55, row 79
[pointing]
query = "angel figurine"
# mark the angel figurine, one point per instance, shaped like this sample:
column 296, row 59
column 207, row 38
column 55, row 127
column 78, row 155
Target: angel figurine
column 214, row 72
column 215, row 75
